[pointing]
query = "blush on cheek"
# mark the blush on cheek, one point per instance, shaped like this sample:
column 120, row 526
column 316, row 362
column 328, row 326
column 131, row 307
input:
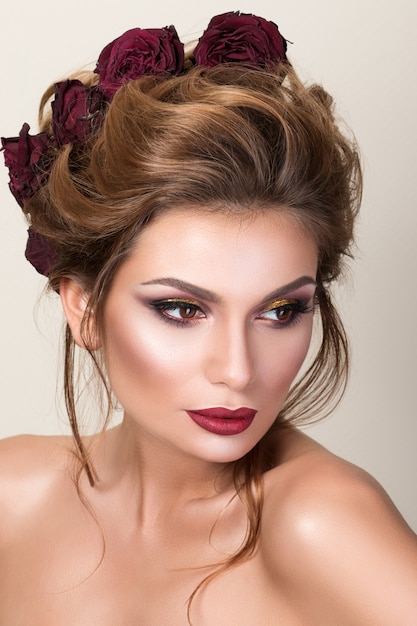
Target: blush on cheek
column 288, row 365
column 143, row 355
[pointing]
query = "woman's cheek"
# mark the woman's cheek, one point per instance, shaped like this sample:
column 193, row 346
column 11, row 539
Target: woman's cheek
column 147, row 348
column 286, row 357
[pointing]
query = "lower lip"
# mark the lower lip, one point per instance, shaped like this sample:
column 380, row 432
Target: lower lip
column 223, row 425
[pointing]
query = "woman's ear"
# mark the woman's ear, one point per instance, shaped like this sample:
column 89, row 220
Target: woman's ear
column 75, row 301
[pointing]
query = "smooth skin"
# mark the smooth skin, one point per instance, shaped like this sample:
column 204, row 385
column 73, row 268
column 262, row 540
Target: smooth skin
column 209, row 310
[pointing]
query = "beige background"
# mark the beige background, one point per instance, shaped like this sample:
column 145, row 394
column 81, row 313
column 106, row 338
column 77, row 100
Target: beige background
column 365, row 55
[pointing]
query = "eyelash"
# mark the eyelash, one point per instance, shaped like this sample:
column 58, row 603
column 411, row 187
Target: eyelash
column 296, row 307
column 162, row 306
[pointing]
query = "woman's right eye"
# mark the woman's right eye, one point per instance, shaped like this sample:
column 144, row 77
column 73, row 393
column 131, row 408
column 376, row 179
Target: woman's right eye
column 178, row 311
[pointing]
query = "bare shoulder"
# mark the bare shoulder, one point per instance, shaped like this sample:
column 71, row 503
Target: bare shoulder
column 31, row 467
column 331, row 530
column 23, row 454
column 310, row 475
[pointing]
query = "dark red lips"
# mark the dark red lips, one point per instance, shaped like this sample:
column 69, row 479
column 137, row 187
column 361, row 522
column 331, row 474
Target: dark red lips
column 221, row 421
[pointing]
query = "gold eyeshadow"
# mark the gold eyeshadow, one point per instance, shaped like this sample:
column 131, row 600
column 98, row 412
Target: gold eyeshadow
column 179, row 301
column 276, row 304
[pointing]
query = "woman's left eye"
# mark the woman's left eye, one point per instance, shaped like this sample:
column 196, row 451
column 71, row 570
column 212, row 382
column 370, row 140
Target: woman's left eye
column 179, row 311
column 284, row 312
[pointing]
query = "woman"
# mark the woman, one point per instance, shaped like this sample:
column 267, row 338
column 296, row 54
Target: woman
column 192, row 213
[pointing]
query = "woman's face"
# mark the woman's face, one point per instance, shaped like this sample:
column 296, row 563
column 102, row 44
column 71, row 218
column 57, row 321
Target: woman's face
column 210, row 312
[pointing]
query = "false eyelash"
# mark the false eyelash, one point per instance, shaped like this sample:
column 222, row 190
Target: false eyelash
column 159, row 306
column 298, row 307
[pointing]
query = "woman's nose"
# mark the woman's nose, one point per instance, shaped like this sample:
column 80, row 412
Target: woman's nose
column 230, row 358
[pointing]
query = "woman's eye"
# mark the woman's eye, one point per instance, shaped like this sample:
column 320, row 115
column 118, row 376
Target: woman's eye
column 184, row 311
column 179, row 311
column 284, row 312
column 280, row 314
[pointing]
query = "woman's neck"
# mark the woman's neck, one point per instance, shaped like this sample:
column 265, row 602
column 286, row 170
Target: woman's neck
column 155, row 476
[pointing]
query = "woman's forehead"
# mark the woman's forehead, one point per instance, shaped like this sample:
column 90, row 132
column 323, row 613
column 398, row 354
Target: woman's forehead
column 217, row 249
column 181, row 221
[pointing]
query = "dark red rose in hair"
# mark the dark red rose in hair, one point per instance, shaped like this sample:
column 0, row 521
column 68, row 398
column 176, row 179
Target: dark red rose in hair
column 138, row 52
column 40, row 252
column 76, row 111
column 26, row 158
column 240, row 38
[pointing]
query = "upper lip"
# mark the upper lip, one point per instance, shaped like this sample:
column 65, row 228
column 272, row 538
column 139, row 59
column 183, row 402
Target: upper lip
column 221, row 412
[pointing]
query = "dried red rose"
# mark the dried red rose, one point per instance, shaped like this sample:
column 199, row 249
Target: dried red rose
column 28, row 163
column 76, row 111
column 138, row 52
column 236, row 37
column 40, row 252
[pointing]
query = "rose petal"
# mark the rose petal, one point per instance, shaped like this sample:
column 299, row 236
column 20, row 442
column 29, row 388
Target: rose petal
column 27, row 159
column 40, row 252
column 139, row 52
column 76, row 111
column 240, row 37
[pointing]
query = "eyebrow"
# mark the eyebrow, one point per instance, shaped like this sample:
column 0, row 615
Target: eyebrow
column 285, row 289
column 210, row 296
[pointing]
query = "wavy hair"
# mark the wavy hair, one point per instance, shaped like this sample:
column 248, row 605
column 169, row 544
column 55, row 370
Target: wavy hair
column 229, row 138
